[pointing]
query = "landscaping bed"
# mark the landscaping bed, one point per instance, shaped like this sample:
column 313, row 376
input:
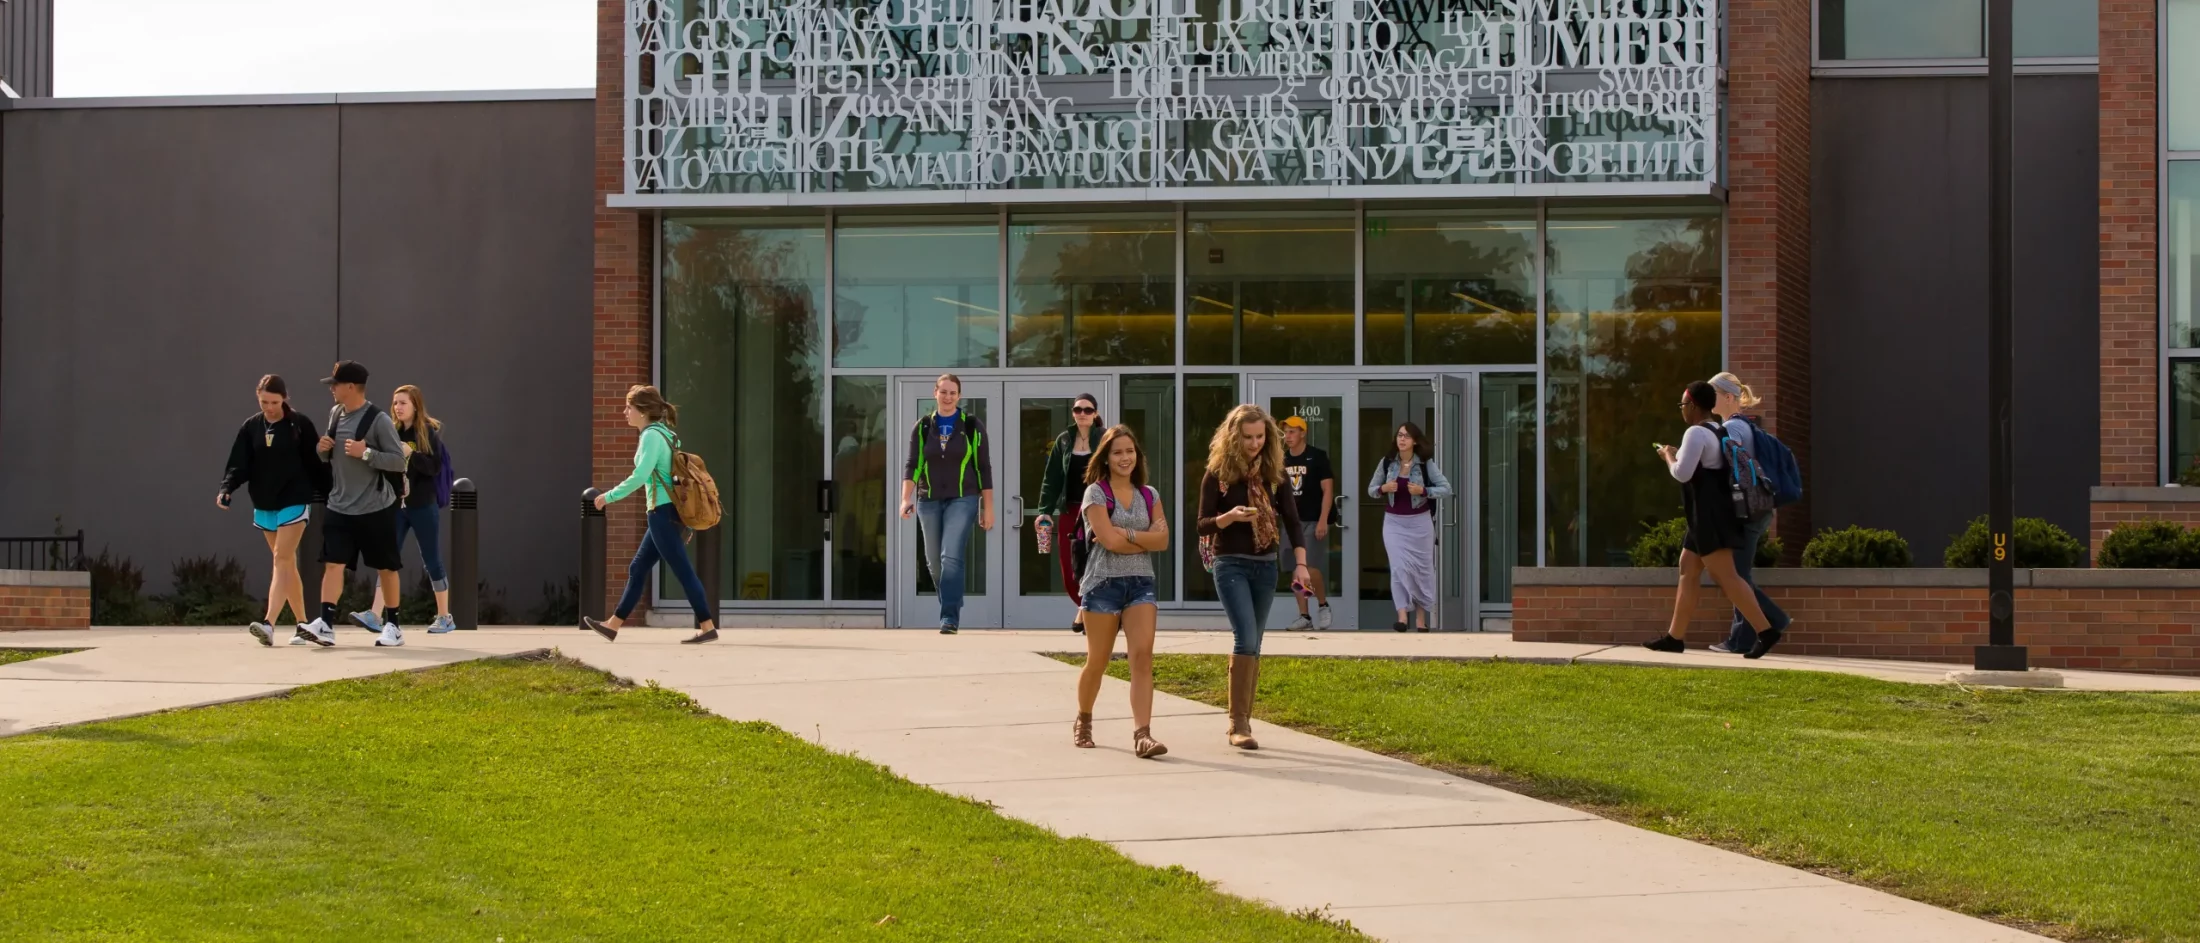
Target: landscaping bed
column 2073, row 814
column 510, row 800
column 9, row 656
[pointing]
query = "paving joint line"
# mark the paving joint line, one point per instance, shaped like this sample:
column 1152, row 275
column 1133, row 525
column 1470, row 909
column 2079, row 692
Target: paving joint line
column 1164, row 771
column 1348, row 831
column 1821, row 882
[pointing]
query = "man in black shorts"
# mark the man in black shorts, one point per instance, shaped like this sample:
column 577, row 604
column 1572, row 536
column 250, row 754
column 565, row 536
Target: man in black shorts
column 367, row 464
column 1314, row 486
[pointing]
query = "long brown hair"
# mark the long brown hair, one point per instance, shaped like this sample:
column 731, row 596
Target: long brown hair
column 1226, row 458
column 651, row 404
column 1099, row 468
column 422, row 422
column 1420, row 440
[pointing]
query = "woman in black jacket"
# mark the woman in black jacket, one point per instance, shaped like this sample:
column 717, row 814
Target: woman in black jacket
column 275, row 456
column 1060, row 488
column 420, row 513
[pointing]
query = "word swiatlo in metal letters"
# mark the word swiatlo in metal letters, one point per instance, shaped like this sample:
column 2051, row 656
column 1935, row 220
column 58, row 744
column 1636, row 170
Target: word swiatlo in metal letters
column 793, row 96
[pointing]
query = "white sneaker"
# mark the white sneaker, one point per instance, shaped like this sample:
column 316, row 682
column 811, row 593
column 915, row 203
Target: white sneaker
column 391, row 637
column 1300, row 624
column 1321, row 618
column 316, row 632
column 264, row 632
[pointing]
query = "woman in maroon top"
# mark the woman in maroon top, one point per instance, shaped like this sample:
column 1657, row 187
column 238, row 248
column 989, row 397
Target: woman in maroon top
column 1243, row 503
column 1409, row 484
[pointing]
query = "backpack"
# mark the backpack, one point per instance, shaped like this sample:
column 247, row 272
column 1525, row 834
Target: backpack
column 694, row 492
column 445, row 476
column 396, row 479
column 1745, row 481
column 1082, row 540
column 1778, row 464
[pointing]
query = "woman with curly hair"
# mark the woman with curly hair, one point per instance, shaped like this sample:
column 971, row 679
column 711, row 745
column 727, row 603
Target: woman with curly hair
column 1243, row 508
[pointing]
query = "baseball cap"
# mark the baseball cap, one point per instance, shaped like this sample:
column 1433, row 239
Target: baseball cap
column 1297, row 422
column 346, row 371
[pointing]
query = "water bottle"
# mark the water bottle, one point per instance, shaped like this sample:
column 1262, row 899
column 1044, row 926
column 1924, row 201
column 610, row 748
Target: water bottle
column 1043, row 535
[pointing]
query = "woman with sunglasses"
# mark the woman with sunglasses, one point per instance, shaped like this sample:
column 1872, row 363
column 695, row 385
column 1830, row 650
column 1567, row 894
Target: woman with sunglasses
column 1715, row 530
column 1059, row 488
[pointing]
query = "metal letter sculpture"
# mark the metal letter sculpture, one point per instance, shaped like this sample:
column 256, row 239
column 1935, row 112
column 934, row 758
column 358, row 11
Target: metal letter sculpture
column 811, row 101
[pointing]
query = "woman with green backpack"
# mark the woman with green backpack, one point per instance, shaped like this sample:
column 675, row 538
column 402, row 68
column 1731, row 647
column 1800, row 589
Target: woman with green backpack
column 666, row 539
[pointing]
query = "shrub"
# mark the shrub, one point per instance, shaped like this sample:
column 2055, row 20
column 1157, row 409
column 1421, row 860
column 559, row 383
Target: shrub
column 1768, row 552
column 561, row 604
column 2150, row 545
column 1660, row 546
column 2190, row 477
column 210, row 591
column 2038, row 544
column 118, row 591
column 418, row 606
column 494, row 610
column 1860, row 547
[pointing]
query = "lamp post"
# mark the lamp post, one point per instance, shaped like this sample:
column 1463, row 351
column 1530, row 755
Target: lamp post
column 2001, row 652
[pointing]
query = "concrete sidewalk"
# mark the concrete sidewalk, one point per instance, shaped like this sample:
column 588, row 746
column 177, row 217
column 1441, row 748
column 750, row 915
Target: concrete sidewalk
column 1405, row 853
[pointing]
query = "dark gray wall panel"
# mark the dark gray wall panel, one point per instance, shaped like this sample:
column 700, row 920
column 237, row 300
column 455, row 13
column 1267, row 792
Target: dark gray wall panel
column 467, row 271
column 1898, row 326
column 157, row 261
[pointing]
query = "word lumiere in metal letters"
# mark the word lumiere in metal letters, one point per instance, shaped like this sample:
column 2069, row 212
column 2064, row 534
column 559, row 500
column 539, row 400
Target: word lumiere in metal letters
column 823, row 95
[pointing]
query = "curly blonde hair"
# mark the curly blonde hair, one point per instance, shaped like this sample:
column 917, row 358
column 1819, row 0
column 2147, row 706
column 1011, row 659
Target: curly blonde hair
column 1226, row 458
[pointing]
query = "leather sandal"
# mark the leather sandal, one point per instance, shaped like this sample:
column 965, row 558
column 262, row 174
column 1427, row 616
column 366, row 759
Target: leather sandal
column 1080, row 732
column 1144, row 745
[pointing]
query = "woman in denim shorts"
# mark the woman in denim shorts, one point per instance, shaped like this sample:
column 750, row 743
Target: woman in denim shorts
column 1127, row 524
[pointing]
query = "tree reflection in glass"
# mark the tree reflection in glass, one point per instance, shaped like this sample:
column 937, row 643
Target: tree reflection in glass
column 1451, row 287
column 1091, row 290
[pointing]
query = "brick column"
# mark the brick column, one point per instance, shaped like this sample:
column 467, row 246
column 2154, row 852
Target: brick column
column 1768, row 225
column 2129, row 289
column 622, row 303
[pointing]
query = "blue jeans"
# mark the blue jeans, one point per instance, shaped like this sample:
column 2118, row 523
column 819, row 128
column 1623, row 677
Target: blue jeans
column 1246, row 587
column 1740, row 637
column 426, row 523
column 946, row 527
column 665, row 542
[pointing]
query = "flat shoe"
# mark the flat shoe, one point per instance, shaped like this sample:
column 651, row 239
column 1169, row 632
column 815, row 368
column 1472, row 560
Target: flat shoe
column 1765, row 640
column 700, row 637
column 609, row 634
column 1397, row 627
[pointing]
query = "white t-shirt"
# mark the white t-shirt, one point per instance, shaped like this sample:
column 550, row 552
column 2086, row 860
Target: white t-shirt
column 1699, row 449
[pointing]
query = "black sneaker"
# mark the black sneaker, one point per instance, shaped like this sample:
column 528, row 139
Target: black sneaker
column 1765, row 640
column 609, row 634
column 947, row 628
column 700, row 637
column 1666, row 643
column 1397, row 627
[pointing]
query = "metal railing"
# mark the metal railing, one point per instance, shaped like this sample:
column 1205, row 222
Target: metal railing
column 58, row 552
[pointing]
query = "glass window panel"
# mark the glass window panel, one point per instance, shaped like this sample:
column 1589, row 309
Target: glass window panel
column 1039, row 420
column 2181, row 87
column 1450, row 287
column 1324, row 417
column 1634, row 311
column 2055, row 28
column 1149, row 408
column 861, row 483
column 1508, row 481
column 1901, row 29
column 1092, row 290
column 742, row 306
column 1384, row 406
column 915, row 291
column 1207, row 401
column 2181, row 256
column 1269, row 288
column 2184, row 416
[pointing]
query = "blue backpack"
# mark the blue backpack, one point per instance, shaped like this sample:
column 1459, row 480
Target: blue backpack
column 1778, row 465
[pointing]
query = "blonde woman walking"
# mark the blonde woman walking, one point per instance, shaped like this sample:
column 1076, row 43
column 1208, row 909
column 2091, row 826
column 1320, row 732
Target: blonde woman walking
column 427, row 492
column 1126, row 521
column 1243, row 506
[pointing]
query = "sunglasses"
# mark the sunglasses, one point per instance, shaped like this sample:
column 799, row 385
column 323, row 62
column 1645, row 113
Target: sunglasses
column 1083, row 410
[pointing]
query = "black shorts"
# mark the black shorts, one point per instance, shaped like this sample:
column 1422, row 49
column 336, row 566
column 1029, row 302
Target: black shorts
column 369, row 539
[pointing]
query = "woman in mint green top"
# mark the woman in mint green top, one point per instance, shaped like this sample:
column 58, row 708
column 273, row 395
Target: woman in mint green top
column 665, row 540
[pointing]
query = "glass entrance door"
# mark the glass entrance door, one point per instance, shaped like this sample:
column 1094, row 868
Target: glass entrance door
column 1039, row 410
column 1326, row 406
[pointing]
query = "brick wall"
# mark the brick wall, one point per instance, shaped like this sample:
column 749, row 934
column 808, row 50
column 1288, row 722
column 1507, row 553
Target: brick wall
column 2128, row 282
column 622, row 303
column 2113, row 506
column 40, row 600
column 1768, row 223
column 2067, row 618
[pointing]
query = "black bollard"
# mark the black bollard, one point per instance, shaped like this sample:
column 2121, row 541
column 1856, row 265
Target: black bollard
column 309, row 558
column 593, row 557
column 710, row 552
column 465, row 568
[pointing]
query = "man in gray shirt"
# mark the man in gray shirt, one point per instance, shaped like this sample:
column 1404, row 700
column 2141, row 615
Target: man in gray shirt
column 367, row 464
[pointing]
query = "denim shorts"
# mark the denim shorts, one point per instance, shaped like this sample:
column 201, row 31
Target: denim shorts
column 1116, row 593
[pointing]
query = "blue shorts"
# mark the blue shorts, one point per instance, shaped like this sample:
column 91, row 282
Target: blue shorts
column 1116, row 593
column 277, row 520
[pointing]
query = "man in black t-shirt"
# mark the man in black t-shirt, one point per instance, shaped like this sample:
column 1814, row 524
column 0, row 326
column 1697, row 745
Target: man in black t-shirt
column 1314, row 486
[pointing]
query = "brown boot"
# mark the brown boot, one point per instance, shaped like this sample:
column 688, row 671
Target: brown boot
column 1244, row 676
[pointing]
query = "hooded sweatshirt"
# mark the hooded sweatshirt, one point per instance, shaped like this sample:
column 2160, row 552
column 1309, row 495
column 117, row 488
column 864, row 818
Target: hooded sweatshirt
column 277, row 460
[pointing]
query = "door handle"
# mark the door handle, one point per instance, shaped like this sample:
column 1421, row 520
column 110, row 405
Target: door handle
column 828, row 497
column 1337, row 516
column 1017, row 521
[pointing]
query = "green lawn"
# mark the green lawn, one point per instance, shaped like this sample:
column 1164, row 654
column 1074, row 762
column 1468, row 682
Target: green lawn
column 9, row 656
column 538, row 801
column 2078, row 813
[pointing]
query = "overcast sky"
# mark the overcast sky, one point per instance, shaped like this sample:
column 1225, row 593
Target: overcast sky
column 228, row 47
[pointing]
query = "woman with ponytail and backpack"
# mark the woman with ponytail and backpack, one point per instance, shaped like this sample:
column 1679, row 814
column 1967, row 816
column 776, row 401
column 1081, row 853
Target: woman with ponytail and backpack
column 1735, row 396
column 1124, row 518
column 666, row 539
column 428, row 478
column 1714, row 528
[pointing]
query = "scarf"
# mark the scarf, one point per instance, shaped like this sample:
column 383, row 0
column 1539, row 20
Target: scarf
column 1264, row 522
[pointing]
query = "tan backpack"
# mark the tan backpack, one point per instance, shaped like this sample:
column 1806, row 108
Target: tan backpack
column 694, row 492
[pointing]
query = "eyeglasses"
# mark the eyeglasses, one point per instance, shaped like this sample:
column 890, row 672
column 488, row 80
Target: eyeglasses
column 1083, row 410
